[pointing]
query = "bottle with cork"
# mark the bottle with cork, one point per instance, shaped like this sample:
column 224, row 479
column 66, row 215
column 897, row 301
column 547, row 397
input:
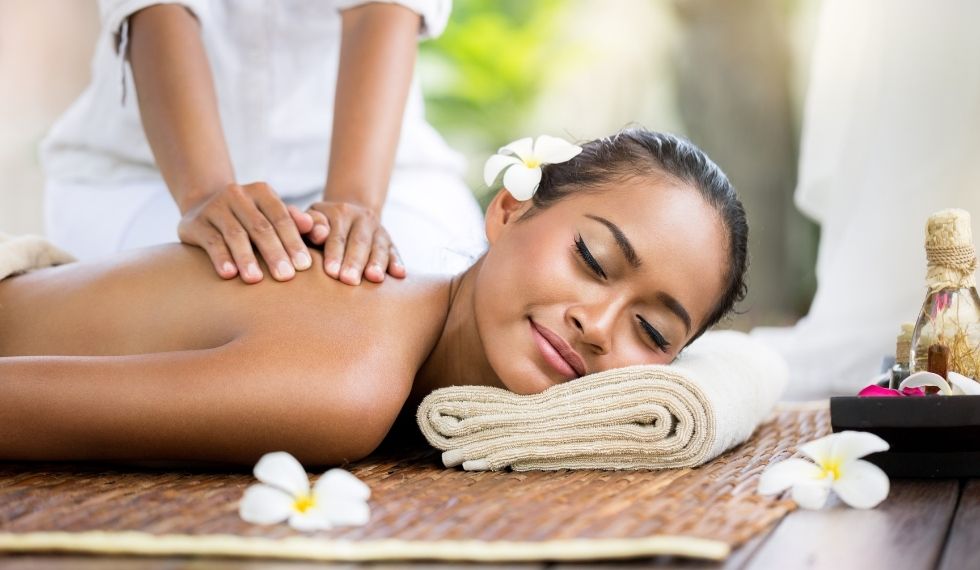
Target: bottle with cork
column 946, row 336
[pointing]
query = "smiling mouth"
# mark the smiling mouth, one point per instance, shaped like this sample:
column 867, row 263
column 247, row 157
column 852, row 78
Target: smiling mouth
column 557, row 352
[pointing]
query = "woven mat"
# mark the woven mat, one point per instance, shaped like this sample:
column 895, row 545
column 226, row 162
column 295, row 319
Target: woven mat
column 419, row 509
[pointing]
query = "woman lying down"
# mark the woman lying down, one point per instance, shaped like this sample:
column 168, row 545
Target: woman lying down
column 625, row 254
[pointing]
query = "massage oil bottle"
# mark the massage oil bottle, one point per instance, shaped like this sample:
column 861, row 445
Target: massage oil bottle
column 946, row 336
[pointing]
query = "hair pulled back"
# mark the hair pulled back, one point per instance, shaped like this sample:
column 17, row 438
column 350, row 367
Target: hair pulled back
column 637, row 152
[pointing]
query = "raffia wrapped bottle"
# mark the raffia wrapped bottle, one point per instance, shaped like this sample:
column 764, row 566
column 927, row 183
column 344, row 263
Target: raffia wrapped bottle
column 949, row 322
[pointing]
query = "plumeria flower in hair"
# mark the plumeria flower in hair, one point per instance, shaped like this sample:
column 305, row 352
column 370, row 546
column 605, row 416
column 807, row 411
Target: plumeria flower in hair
column 338, row 497
column 521, row 163
column 836, row 467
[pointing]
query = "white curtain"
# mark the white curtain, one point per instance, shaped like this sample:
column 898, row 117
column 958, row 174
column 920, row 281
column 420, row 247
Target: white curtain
column 891, row 133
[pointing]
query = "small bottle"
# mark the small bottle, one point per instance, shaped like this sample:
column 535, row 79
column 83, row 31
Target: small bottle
column 903, row 348
column 949, row 320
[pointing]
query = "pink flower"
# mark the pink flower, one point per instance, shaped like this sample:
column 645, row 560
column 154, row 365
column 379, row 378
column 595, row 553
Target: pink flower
column 943, row 301
column 876, row 391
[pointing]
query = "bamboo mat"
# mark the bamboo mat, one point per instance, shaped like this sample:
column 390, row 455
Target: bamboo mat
column 419, row 509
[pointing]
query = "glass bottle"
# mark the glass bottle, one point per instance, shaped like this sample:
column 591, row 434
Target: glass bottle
column 950, row 315
column 903, row 347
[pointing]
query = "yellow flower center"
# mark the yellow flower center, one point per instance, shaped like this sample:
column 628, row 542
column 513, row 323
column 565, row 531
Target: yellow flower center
column 532, row 163
column 831, row 468
column 304, row 503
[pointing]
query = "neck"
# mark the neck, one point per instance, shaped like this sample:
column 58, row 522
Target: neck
column 458, row 357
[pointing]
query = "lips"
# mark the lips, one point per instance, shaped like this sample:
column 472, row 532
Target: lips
column 561, row 355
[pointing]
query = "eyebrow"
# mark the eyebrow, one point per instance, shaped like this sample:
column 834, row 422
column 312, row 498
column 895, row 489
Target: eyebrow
column 623, row 243
column 672, row 304
column 675, row 307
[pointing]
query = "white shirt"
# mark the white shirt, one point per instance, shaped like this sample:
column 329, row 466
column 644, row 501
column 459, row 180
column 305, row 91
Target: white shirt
column 274, row 64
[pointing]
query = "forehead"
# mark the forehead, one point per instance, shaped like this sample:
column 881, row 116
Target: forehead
column 678, row 236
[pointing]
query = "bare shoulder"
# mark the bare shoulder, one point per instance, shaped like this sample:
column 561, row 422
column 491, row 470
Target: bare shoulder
column 373, row 336
column 389, row 325
column 354, row 351
column 346, row 396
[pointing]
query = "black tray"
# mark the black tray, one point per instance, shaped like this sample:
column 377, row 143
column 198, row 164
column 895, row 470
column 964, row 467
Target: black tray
column 930, row 436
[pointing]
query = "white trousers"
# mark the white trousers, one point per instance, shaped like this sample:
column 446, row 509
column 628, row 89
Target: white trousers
column 432, row 217
column 890, row 135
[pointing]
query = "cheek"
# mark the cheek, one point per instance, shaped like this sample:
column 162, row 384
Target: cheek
column 629, row 350
column 531, row 275
column 530, row 268
column 499, row 305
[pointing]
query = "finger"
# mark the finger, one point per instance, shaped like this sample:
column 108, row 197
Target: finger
column 263, row 234
column 396, row 267
column 378, row 260
column 359, row 243
column 209, row 238
column 236, row 239
column 278, row 213
column 214, row 243
column 303, row 221
column 321, row 227
column 335, row 245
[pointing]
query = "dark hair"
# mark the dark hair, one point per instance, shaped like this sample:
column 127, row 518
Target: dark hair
column 636, row 152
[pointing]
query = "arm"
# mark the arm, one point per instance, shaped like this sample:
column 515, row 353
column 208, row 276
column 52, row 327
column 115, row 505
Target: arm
column 228, row 404
column 179, row 111
column 377, row 57
column 177, row 102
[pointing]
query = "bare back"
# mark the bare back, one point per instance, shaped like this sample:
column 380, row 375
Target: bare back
column 167, row 298
column 356, row 348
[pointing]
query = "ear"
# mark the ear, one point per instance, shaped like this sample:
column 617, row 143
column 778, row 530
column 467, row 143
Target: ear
column 503, row 210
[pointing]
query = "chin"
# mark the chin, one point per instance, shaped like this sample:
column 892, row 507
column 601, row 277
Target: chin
column 525, row 380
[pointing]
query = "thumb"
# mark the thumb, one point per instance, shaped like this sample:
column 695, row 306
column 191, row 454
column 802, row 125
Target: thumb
column 304, row 221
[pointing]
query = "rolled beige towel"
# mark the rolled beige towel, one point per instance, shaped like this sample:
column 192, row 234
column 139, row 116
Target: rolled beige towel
column 641, row 417
column 19, row 254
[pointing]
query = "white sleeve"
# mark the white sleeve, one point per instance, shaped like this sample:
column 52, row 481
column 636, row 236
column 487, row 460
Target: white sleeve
column 435, row 13
column 114, row 15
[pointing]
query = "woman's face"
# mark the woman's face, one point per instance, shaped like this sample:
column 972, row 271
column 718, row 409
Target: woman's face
column 601, row 279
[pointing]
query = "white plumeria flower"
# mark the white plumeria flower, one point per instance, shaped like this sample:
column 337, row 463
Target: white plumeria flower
column 835, row 466
column 338, row 497
column 958, row 384
column 521, row 162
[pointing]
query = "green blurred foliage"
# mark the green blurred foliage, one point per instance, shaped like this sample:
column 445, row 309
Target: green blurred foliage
column 481, row 77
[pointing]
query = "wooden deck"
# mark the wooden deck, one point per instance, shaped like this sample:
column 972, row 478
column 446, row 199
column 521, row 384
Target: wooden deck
column 924, row 524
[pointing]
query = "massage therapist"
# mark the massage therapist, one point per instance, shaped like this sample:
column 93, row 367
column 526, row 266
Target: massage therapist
column 224, row 124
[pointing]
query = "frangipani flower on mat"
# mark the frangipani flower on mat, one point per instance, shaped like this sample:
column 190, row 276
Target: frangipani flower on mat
column 836, row 465
column 338, row 498
column 958, row 384
column 521, row 162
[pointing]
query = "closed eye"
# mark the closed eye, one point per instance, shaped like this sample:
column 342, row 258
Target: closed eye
column 586, row 255
column 654, row 334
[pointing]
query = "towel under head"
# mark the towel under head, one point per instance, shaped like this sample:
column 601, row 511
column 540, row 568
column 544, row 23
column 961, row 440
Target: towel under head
column 640, row 417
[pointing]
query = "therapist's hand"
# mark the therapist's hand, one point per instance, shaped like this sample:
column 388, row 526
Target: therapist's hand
column 227, row 223
column 354, row 243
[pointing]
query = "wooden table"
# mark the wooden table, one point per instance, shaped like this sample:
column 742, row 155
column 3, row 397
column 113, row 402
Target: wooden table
column 922, row 524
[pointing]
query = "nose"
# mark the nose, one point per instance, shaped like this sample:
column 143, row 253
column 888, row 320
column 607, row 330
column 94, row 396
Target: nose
column 594, row 324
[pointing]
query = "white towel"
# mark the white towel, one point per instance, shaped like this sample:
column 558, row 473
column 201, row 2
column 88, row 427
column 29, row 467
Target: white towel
column 19, row 254
column 640, row 417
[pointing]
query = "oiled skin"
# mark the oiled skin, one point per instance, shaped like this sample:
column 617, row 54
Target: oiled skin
column 150, row 355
